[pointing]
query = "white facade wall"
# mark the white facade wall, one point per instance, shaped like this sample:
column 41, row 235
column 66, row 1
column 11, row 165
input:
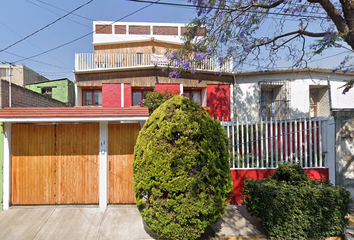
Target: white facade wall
column 248, row 92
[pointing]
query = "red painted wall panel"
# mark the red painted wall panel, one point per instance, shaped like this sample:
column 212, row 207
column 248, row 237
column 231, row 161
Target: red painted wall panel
column 240, row 175
column 127, row 95
column 175, row 88
column 218, row 99
column 111, row 95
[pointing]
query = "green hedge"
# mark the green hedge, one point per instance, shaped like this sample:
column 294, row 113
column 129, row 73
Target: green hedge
column 291, row 206
column 181, row 171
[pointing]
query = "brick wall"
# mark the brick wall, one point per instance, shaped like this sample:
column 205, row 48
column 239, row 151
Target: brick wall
column 120, row 29
column 111, row 95
column 103, row 29
column 200, row 32
column 140, row 30
column 164, row 30
column 175, row 88
column 142, row 47
column 127, row 95
column 22, row 97
column 218, row 99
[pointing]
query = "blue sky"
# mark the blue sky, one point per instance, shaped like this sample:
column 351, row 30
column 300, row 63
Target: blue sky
column 20, row 18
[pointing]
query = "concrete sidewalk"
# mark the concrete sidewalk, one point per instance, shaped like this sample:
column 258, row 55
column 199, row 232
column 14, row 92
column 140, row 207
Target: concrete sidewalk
column 121, row 222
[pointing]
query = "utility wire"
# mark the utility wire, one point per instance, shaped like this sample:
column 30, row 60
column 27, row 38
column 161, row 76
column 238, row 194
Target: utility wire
column 31, row 44
column 217, row 8
column 45, row 26
column 16, row 55
column 75, row 14
column 58, row 14
column 76, row 39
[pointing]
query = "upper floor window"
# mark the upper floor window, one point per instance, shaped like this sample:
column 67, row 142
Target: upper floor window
column 139, row 58
column 194, row 95
column 92, row 97
column 47, row 91
column 139, row 95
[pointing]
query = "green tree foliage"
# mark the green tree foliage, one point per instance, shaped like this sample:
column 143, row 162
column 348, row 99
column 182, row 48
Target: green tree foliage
column 154, row 99
column 181, row 173
column 291, row 206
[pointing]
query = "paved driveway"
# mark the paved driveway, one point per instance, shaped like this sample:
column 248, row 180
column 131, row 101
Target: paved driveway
column 73, row 223
column 119, row 222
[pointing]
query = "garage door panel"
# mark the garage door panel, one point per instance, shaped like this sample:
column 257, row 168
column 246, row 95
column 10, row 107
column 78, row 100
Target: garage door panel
column 32, row 176
column 77, row 163
column 121, row 141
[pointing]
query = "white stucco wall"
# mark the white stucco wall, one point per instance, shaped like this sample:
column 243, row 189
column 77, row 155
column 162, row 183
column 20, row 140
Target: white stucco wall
column 248, row 92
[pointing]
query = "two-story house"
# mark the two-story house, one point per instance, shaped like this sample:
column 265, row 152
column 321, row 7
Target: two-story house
column 127, row 63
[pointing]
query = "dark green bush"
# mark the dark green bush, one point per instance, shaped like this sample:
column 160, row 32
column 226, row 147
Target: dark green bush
column 154, row 99
column 291, row 206
column 181, row 170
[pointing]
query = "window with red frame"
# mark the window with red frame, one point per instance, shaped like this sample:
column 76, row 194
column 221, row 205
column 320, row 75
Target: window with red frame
column 138, row 95
column 194, row 95
column 92, row 97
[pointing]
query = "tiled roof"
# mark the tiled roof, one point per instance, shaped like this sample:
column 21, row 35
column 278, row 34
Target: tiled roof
column 71, row 112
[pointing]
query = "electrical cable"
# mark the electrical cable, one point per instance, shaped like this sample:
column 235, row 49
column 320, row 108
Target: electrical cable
column 57, row 14
column 31, row 44
column 11, row 45
column 76, row 39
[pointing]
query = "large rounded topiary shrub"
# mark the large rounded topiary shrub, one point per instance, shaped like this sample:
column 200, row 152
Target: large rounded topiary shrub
column 181, row 170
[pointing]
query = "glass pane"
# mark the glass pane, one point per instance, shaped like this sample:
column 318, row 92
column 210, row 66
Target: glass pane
column 146, row 92
column 187, row 94
column 196, row 97
column 139, row 58
column 136, row 98
column 98, row 97
column 87, row 98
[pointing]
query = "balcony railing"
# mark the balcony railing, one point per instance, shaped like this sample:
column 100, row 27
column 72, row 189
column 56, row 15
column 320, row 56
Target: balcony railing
column 98, row 61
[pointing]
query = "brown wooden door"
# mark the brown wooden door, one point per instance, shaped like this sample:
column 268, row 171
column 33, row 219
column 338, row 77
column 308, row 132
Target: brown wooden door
column 33, row 164
column 121, row 143
column 77, row 174
column 55, row 164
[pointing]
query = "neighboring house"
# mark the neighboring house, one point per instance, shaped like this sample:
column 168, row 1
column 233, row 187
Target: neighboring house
column 60, row 89
column 20, row 97
column 127, row 63
column 21, row 75
column 290, row 94
column 128, row 60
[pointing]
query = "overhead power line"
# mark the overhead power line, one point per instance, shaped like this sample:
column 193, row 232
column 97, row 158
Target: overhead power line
column 35, row 4
column 217, row 8
column 45, row 26
column 76, row 39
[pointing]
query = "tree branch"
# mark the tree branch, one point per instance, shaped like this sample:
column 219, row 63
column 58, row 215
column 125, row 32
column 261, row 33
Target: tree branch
column 334, row 14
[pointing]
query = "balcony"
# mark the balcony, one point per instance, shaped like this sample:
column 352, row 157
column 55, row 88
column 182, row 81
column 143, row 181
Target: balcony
column 85, row 62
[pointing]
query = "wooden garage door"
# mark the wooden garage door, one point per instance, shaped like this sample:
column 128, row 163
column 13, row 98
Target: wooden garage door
column 121, row 143
column 33, row 164
column 55, row 164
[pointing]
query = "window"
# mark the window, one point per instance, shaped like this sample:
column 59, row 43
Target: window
column 101, row 65
column 319, row 101
column 139, row 58
column 267, row 104
column 274, row 100
column 47, row 91
column 92, row 97
column 195, row 96
column 139, row 95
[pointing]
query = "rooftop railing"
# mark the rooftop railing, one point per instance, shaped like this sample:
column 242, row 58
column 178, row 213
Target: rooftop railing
column 100, row 61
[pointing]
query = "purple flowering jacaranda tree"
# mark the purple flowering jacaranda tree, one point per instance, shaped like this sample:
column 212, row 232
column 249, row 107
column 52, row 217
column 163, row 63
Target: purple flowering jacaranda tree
column 264, row 33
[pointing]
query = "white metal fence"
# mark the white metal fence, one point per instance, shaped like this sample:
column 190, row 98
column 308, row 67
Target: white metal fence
column 265, row 144
column 95, row 61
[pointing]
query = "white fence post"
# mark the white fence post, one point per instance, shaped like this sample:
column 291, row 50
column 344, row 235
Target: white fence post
column 330, row 149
